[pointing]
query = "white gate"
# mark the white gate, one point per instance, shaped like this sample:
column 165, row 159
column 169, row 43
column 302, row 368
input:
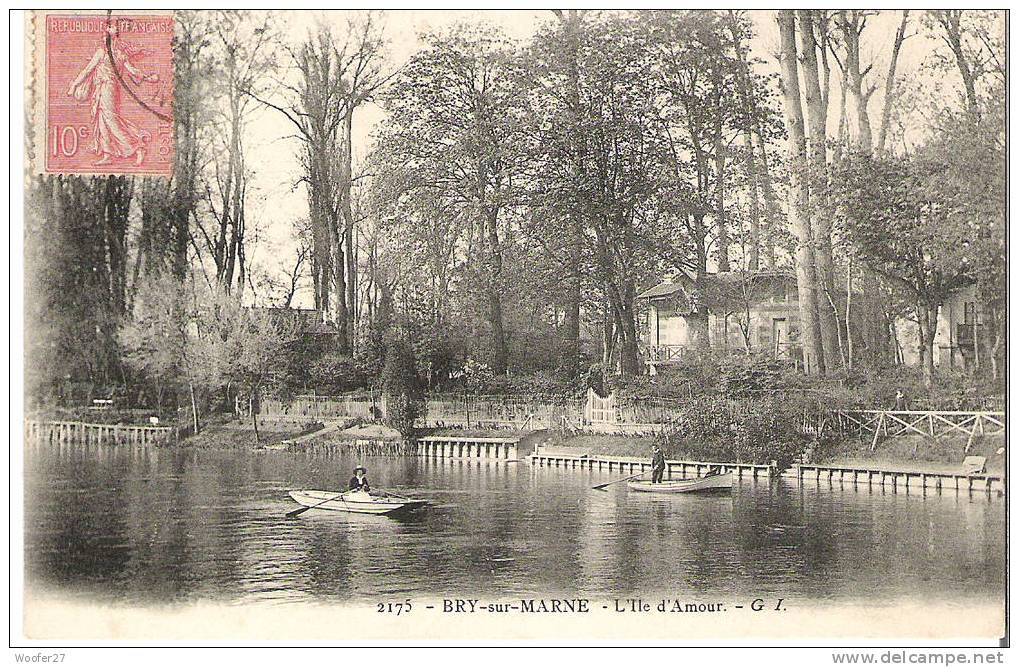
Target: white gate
column 600, row 410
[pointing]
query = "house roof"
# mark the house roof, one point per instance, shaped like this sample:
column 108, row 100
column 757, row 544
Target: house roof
column 309, row 319
column 713, row 289
column 661, row 290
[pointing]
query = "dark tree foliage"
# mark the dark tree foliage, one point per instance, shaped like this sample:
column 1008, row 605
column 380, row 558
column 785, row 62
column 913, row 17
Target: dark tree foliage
column 401, row 386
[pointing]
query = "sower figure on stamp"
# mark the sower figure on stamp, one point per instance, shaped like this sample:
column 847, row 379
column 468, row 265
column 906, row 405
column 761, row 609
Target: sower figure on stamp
column 657, row 464
column 98, row 83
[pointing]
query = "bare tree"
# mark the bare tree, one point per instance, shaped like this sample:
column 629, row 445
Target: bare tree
column 891, row 87
column 332, row 80
column 245, row 60
column 858, row 90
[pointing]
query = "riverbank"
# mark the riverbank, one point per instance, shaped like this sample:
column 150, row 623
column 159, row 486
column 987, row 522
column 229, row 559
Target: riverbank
column 235, row 434
column 913, row 453
column 917, row 453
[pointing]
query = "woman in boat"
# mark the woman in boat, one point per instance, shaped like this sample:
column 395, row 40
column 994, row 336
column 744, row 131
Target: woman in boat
column 657, row 464
column 359, row 482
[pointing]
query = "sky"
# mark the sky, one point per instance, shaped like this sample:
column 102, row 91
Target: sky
column 273, row 151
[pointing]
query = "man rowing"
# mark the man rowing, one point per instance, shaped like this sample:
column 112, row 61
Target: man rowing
column 657, row 464
column 359, row 482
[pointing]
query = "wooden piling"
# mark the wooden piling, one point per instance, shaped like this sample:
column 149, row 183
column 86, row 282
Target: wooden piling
column 65, row 433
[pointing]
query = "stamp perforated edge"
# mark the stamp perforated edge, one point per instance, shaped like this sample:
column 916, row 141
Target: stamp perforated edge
column 36, row 96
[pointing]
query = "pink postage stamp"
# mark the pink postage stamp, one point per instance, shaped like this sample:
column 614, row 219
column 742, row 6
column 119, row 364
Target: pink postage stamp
column 108, row 94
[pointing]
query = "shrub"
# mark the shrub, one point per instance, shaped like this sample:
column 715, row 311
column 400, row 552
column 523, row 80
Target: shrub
column 370, row 351
column 758, row 431
column 740, row 375
column 437, row 353
column 401, row 387
column 335, row 373
column 549, row 383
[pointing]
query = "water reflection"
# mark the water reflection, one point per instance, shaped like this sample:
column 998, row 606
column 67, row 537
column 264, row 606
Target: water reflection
column 162, row 525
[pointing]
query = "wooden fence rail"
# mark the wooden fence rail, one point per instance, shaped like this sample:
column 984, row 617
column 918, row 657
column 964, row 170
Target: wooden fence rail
column 611, row 411
column 927, row 423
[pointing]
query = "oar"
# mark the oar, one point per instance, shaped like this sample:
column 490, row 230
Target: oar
column 602, row 486
column 303, row 509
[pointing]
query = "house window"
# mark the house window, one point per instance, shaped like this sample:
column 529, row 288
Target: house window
column 969, row 313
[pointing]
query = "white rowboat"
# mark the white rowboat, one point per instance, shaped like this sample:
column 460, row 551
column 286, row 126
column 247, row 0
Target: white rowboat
column 355, row 501
column 721, row 482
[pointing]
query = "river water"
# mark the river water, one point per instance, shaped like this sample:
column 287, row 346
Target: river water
column 154, row 526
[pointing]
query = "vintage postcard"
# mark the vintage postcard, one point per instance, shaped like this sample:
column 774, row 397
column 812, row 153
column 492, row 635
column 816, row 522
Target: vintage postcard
column 540, row 326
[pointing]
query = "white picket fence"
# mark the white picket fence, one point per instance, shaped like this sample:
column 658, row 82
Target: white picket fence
column 478, row 411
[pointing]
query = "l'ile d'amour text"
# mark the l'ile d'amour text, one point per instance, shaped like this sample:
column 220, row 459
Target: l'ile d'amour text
column 619, row 605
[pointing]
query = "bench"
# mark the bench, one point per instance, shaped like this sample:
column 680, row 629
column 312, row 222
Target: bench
column 974, row 465
column 572, row 452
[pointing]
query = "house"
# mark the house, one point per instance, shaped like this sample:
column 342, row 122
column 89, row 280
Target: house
column 960, row 325
column 317, row 332
column 736, row 310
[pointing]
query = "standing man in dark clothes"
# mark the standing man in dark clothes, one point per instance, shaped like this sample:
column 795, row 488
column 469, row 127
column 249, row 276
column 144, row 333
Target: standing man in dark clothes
column 359, row 482
column 657, row 464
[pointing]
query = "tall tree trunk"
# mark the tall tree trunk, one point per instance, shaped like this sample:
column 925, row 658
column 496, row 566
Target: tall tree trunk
column 806, row 280
column 321, row 253
column 697, row 319
column 340, row 289
column 875, row 334
column 951, row 22
column 721, row 225
column 927, row 319
column 890, row 87
column 754, row 251
column 253, row 402
column 744, row 88
column 852, row 26
column 117, row 197
column 621, row 300
column 194, row 406
column 500, row 349
column 572, row 24
column 346, row 181
column 608, row 335
column 817, row 190
column 848, row 318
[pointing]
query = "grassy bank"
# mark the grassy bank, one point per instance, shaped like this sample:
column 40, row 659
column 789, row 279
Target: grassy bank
column 943, row 455
column 606, row 445
column 233, row 433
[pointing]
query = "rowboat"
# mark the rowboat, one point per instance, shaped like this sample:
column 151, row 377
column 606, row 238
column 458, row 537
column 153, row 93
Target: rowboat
column 722, row 482
column 356, row 501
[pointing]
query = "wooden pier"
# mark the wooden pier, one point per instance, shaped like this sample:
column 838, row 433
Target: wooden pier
column 463, row 447
column 903, row 481
column 556, row 458
column 96, row 434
